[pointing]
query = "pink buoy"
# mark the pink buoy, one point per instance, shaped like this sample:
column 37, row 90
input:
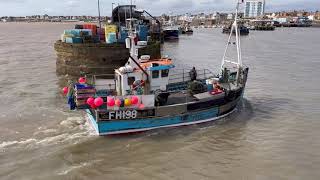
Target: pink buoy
column 93, row 106
column 90, row 101
column 65, row 90
column 98, row 102
column 118, row 102
column 141, row 106
column 82, row 80
column 110, row 101
column 134, row 100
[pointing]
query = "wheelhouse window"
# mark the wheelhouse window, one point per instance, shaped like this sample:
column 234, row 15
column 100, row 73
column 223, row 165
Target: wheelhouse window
column 165, row 73
column 131, row 80
column 155, row 64
column 155, row 74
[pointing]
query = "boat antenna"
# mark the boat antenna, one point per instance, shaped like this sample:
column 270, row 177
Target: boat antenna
column 131, row 23
column 99, row 20
column 235, row 28
column 133, row 49
column 125, row 18
column 119, row 17
column 112, row 10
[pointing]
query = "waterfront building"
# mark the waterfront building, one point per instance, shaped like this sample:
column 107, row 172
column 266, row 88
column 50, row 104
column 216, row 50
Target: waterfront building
column 317, row 15
column 311, row 17
column 230, row 16
column 282, row 19
column 254, row 8
column 187, row 18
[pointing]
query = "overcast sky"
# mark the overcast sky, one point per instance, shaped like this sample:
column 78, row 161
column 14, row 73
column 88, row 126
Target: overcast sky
column 156, row 7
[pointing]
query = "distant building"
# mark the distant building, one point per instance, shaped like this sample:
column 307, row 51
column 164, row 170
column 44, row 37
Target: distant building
column 317, row 15
column 214, row 15
column 254, row 8
column 187, row 17
column 311, row 17
column 282, row 19
column 230, row 16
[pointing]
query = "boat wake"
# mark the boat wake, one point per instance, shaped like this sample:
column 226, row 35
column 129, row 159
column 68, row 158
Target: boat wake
column 71, row 130
column 69, row 169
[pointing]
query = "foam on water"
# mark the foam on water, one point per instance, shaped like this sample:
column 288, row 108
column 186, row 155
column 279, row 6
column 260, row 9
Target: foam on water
column 72, row 130
column 71, row 168
column 17, row 143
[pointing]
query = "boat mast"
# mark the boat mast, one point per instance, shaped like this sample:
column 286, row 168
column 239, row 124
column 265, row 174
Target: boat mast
column 235, row 28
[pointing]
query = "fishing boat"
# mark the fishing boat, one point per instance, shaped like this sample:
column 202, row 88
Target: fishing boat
column 188, row 30
column 171, row 33
column 262, row 25
column 243, row 30
column 148, row 94
column 185, row 30
column 182, row 30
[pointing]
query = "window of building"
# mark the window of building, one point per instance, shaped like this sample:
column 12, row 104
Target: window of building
column 165, row 73
column 155, row 74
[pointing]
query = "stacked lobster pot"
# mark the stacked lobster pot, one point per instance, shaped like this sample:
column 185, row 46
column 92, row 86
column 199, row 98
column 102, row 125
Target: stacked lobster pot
column 82, row 33
column 76, row 36
column 82, row 93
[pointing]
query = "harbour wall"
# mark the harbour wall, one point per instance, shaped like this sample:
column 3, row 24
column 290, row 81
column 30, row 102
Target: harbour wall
column 90, row 58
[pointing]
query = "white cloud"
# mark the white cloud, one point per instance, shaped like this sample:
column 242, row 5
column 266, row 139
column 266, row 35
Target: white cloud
column 72, row 3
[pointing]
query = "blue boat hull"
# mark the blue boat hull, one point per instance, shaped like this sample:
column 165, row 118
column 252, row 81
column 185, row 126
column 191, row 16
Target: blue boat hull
column 171, row 34
column 137, row 125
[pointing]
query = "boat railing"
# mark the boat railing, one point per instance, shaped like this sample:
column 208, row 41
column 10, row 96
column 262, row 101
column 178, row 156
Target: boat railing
column 183, row 75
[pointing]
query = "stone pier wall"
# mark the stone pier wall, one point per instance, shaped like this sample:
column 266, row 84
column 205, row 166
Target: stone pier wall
column 79, row 59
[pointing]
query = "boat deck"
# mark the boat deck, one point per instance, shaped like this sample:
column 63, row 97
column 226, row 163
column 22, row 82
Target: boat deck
column 180, row 98
column 186, row 98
